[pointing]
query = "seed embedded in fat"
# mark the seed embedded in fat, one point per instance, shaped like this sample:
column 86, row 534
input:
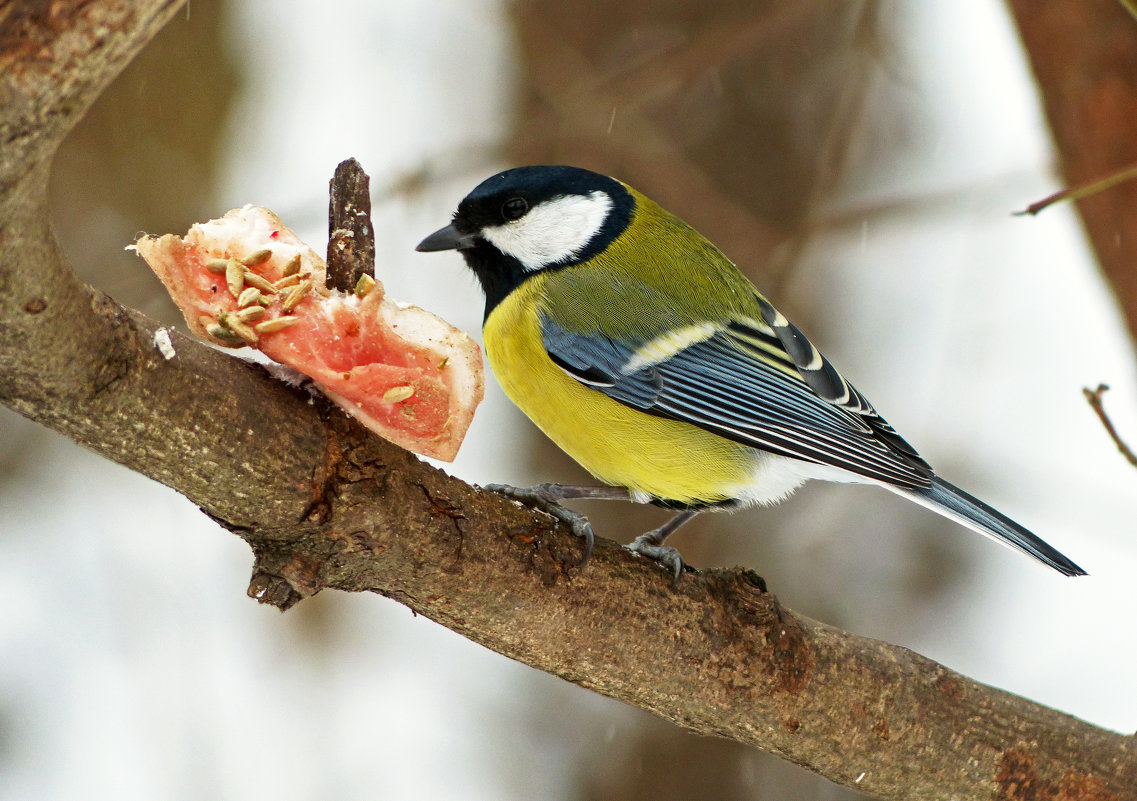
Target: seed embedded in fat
column 243, row 331
column 296, row 295
column 235, row 277
column 217, row 266
column 269, row 326
column 218, row 331
column 287, row 281
column 292, row 266
column 251, row 313
column 249, row 296
column 257, row 257
column 364, row 285
column 260, row 282
column 396, row 394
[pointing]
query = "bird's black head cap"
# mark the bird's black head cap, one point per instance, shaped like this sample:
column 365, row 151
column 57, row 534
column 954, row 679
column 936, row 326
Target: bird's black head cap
column 529, row 219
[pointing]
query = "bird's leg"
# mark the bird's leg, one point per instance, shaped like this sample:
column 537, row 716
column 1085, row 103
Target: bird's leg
column 547, row 498
column 651, row 544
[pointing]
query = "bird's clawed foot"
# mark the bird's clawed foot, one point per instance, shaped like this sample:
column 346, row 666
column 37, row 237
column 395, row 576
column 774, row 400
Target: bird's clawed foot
column 547, row 498
column 650, row 545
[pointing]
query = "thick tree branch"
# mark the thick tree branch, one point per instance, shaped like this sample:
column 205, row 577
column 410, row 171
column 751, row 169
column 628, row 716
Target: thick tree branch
column 325, row 504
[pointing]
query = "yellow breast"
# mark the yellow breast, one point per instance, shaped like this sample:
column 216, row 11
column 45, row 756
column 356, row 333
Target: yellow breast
column 617, row 444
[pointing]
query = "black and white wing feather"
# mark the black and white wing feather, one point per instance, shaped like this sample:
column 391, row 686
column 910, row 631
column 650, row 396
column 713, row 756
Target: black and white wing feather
column 761, row 385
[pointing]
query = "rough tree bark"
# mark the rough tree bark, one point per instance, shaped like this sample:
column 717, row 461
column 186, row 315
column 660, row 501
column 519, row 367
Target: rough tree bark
column 325, row 504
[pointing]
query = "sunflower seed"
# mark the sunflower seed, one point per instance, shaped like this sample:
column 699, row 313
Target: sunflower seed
column 235, row 277
column 240, row 329
column 251, row 313
column 292, row 267
column 218, row 331
column 364, row 285
column 268, row 326
column 233, row 324
column 249, row 296
column 260, row 282
column 217, row 266
column 396, row 394
column 257, row 257
column 296, row 294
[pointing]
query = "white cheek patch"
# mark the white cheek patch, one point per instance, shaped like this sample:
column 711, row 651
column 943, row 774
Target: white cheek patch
column 552, row 231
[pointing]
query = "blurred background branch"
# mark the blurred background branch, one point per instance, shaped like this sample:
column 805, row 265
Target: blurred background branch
column 1089, row 94
column 1094, row 398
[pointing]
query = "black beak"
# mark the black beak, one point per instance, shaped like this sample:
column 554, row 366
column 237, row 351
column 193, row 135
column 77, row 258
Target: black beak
column 448, row 238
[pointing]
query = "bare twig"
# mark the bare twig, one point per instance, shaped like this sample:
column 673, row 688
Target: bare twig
column 1081, row 191
column 1094, row 396
column 1090, row 187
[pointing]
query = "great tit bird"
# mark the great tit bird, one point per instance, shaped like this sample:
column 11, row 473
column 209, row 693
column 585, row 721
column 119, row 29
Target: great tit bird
column 648, row 357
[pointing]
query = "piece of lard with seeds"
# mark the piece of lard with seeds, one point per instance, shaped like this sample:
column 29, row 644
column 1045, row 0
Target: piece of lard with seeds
column 246, row 279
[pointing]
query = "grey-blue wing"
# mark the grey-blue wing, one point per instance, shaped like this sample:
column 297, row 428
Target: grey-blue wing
column 742, row 383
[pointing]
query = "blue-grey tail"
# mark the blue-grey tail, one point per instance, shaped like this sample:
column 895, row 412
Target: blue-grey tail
column 968, row 510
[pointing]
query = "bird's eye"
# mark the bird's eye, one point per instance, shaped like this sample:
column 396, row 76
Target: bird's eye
column 514, row 208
